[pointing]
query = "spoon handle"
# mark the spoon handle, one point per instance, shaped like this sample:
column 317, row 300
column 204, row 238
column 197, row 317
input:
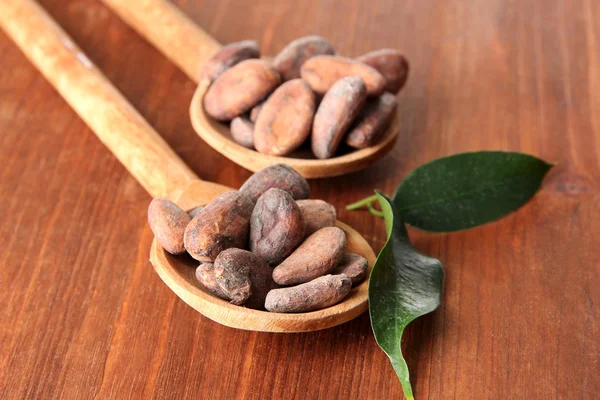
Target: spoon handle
column 169, row 30
column 112, row 118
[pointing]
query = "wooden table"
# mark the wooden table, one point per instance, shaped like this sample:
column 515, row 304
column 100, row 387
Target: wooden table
column 83, row 315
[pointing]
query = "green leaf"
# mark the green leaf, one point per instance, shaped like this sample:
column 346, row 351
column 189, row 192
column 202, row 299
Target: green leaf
column 403, row 285
column 468, row 189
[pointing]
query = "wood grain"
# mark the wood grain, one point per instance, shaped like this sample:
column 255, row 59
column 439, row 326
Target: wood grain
column 82, row 314
column 179, row 38
column 112, row 118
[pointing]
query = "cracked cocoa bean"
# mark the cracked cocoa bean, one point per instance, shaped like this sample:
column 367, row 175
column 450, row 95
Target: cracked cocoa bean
column 244, row 277
column 205, row 274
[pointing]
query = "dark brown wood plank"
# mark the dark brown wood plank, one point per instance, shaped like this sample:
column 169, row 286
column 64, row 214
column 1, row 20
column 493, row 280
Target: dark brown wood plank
column 83, row 315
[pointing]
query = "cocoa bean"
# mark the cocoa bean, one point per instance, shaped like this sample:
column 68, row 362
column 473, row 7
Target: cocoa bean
column 317, row 214
column 242, row 131
column 354, row 266
column 168, row 222
column 244, row 277
column 317, row 294
column 322, row 72
column 228, row 56
column 256, row 110
column 279, row 176
column 194, row 211
column 320, row 253
column 221, row 224
column 338, row 109
column 372, row 121
column 276, row 226
column 205, row 274
column 285, row 119
column 239, row 89
column 290, row 59
column 391, row 64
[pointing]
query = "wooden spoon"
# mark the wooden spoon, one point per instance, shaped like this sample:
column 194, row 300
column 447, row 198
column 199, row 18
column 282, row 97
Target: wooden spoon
column 188, row 46
column 154, row 164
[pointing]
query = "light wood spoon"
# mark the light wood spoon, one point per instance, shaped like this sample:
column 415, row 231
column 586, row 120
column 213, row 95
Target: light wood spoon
column 188, row 46
column 156, row 167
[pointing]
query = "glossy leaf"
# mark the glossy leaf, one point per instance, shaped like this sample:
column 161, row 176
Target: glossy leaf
column 468, row 189
column 403, row 285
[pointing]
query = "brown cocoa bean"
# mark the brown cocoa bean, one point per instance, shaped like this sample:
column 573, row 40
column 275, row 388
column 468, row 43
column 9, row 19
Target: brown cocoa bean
column 242, row 131
column 320, row 253
column 372, row 121
column 168, row 222
column 194, row 211
column 239, row 89
column 205, row 274
column 279, row 176
column 322, row 72
column 317, row 214
column 276, row 226
column 317, row 294
column 244, row 277
column 233, row 277
column 256, row 110
column 338, row 109
column 290, row 59
column 228, row 56
column 221, row 224
column 285, row 119
column 354, row 266
column 391, row 64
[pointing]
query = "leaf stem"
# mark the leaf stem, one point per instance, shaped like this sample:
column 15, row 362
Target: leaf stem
column 374, row 211
column 407, row 389
column 362, row 203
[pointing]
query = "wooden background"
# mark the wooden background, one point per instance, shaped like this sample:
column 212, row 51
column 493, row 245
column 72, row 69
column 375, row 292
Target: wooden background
column 83, row 315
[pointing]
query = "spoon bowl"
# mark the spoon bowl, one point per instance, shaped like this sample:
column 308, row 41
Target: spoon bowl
column 186, row 44
column 217, row 136
column 177, row 272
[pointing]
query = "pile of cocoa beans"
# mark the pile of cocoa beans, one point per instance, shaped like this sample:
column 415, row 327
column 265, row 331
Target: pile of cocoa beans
column 266, row 246
column 306, row 90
